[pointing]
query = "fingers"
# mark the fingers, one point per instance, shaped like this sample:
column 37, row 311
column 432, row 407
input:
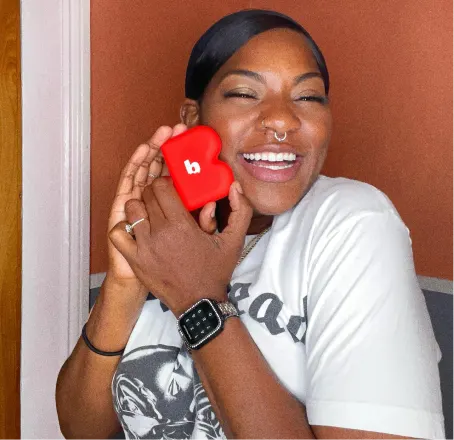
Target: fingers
column 135, row 176
column 153, row 162
column 146, row 162
column 207, row 220
column 152, row 206
column 165, row 171
column 135, row 210
column 179, row 129
column 123, row 241
column 240, row 217
column 156, row 168
column 161, row 135
column 168, row 199
column 157, row 165
column 128, row 174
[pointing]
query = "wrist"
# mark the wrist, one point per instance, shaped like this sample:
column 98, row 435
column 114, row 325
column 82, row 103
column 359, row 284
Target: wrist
column 203, row 321
column 118, row 299
column 219, row 295
column 130, row 286
column 114, row 314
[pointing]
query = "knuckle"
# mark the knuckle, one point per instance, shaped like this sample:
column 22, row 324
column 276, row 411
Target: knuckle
column 159, row 159
column 127, row 173
column 141, row 184
column 145, row 164
column 115, row 231
column 154, row 146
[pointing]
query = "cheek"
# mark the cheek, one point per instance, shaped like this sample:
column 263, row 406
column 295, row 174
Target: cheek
column 316, row 135
column 317, row 129
column 233, row 131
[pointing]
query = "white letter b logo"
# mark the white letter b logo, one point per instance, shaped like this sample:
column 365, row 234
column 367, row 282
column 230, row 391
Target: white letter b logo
column 192, row 168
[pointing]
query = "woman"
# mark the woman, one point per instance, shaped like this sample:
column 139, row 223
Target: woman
column 332, row 337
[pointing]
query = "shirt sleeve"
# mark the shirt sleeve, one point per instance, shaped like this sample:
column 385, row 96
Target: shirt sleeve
column 372, row 355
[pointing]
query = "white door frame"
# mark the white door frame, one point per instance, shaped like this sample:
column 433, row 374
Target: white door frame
column 55, row 58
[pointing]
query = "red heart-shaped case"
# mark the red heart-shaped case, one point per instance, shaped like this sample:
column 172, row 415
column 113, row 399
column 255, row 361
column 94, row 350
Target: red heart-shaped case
column 198, row 175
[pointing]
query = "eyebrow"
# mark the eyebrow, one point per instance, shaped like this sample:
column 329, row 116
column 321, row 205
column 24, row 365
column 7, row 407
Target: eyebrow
column 243, row 72
column 307, row 75
column 256, row 76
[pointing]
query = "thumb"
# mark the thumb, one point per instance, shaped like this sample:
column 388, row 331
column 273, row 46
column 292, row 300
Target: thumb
column 240, row 217
column 207, row 219
column 123, row 241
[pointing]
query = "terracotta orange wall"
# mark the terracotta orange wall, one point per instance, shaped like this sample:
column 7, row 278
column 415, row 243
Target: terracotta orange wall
column 139, row 51
column 391, row 69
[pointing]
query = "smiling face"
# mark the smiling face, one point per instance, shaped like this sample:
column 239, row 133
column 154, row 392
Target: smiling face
column 271, row 85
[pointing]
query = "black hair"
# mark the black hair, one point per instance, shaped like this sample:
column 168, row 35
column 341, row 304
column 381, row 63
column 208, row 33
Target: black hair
column 227, row 35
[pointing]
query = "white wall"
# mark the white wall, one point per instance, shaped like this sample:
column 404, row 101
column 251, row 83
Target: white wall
column 55, row 118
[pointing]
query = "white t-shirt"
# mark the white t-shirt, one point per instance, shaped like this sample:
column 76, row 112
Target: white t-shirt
column 331, row 299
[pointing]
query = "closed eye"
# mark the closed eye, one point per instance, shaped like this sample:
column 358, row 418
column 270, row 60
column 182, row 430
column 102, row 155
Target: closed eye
column 320, row 99
column 239, row 95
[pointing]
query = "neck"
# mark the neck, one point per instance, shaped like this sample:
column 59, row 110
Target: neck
column 259, row 222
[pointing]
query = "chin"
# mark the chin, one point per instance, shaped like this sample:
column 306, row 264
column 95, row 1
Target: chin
column 271, row 206
column 276, row 198
column 266, row 201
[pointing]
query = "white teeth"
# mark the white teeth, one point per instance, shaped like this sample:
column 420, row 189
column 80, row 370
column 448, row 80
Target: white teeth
column 274, row 167
column 270, row 156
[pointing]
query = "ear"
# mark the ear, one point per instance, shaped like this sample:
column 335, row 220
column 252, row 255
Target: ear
column 190, row 113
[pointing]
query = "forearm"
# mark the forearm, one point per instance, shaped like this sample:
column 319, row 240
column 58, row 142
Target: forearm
column 83, row 393
column 248, row 399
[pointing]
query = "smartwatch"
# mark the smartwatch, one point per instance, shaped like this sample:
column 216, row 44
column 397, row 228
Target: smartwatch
column 204, row 321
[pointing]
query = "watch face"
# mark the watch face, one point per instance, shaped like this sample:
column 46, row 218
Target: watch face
column 200, row 322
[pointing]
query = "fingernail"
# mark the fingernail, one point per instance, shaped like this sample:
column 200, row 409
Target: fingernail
column 239, row 188
column 213, row 212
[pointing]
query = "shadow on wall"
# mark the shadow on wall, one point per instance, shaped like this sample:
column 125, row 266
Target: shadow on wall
column 440, row 306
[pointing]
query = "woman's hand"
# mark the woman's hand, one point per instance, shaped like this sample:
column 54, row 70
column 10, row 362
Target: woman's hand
column 134, row 177
column 171, row 255
column 147, row 159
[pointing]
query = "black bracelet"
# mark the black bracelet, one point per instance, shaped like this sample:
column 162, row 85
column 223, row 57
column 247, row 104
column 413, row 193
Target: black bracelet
column 94, row 349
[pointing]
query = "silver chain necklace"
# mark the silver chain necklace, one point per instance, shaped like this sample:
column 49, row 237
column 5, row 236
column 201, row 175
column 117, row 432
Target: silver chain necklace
column 251, row 245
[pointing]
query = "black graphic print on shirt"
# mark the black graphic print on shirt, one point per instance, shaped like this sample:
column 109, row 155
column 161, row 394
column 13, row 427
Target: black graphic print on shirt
column 157, row 392
column 158, row 395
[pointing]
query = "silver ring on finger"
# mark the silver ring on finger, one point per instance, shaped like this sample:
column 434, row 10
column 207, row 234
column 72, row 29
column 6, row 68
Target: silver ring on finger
column 152, row 175
column 130, row 228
